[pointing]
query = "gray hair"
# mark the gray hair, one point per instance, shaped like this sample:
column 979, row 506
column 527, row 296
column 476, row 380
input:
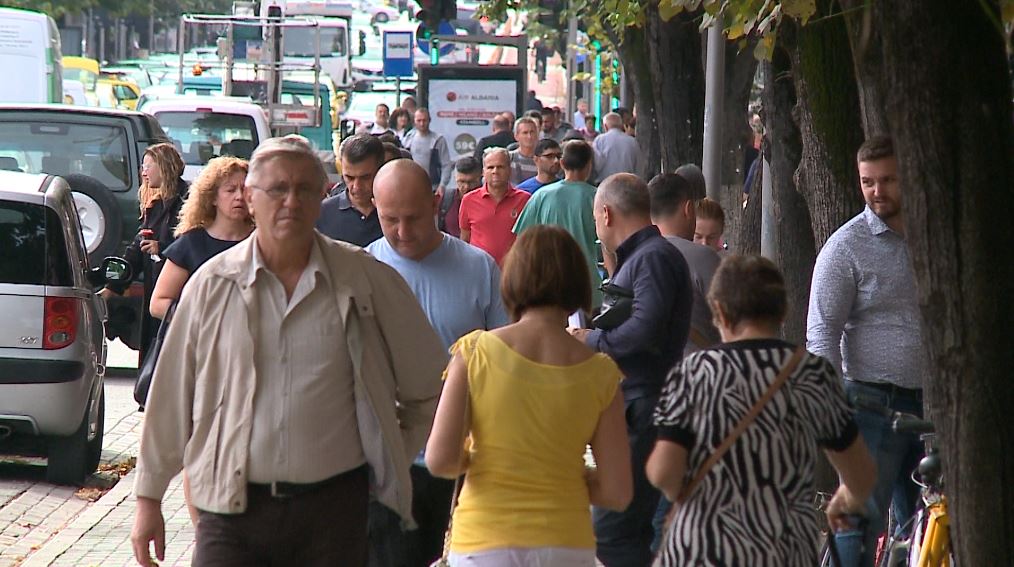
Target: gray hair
column 695, row 178
column 612, row 120
column 291, row 146
column 488, row 152
column 626, row 193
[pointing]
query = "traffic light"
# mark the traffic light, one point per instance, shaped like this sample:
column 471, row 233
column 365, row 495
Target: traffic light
column 432, row 12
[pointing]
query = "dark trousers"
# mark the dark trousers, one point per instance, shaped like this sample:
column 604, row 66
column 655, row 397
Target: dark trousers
column 623, row 539
column 390, row 546
column 325, row 527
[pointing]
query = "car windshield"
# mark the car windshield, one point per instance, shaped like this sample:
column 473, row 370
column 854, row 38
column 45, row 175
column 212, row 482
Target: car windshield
column 35, row 252
column 65, row 149
column 299, row 42
column 201, row 136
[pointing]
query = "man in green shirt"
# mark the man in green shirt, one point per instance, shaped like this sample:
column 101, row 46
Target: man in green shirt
column 568, row 204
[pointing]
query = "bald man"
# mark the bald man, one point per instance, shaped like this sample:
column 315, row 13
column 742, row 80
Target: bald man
column 458, row 286
column 645, row 345
column 617, row 151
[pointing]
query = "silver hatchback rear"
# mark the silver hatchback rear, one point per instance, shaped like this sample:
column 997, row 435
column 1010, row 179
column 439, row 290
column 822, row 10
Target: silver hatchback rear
column 52, row 348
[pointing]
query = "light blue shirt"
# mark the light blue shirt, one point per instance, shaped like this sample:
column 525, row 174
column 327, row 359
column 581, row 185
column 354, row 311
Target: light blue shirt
column 458, row 286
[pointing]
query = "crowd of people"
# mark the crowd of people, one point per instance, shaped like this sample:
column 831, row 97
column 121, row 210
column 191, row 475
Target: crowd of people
column 413, row 363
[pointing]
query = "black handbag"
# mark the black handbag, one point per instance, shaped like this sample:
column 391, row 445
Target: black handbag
column 147, row 369
column 617, row 306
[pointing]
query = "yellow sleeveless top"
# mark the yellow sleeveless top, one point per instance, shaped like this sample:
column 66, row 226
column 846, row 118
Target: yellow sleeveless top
column 531, row 423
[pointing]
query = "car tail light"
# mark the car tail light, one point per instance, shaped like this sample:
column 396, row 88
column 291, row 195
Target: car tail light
column 59, row 324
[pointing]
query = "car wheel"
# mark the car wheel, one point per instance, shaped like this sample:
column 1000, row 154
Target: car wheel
column 381, row 18
column 99, row 216
column 71, row 458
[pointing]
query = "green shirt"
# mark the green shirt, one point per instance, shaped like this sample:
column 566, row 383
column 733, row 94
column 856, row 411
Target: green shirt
column 567, row 204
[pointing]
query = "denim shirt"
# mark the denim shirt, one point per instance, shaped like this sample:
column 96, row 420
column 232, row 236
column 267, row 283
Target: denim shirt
column 648, row 344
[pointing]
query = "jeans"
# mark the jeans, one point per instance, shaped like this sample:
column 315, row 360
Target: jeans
column 896, row 456
column 623, row 539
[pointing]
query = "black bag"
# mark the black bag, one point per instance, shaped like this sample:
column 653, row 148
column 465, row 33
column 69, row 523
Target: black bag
column 436, row 167
column 147, row 369
column 617, row 306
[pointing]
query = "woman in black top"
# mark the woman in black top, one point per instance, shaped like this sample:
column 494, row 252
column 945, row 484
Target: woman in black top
column 214, row 218
column 754, row 507
column 160, row 196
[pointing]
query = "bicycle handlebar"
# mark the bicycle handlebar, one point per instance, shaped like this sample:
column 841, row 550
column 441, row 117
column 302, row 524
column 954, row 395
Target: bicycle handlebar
column 905, row 423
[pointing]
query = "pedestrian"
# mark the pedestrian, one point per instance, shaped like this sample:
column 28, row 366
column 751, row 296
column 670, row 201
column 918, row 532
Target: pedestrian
column 284, row 399
column 467, row 177
column 547, row 162
column 531, row 399
column 551, row 127
column 864, row 317
column 645, row 344
column 523, row 167
column 381, row 120
column 755, row 505
column 581, row 114
column 568, row 204
column 349, row 215
column 429, row 149
column 488, row 214
column 213, row 219
column 710, row 224
column 532, row 102
column 160, row 197
column 589, row 132
column 458, row 287
column 673, row 211
column 409, row 104
column 500, row 138
column 619, row 152
column 401, row 123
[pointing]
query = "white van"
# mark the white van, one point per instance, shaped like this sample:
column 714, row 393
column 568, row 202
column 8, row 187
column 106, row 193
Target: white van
column 204, row 127
column 30, row 50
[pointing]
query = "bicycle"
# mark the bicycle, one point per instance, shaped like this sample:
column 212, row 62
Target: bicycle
column 928, row 543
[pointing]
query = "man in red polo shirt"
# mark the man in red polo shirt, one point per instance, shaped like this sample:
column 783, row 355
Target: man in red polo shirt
column 488, row 214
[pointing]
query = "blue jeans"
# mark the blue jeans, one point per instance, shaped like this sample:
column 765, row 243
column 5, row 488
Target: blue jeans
column 623, row 539
column 896, row 456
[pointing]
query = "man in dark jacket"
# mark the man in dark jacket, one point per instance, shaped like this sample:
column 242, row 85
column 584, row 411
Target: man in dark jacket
column 645, row 346
column 500, row 138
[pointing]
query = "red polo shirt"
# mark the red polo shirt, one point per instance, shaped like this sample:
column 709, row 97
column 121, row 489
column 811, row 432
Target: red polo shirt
column 491, row 222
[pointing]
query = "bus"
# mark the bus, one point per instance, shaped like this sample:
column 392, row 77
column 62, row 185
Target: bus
column 30, row 50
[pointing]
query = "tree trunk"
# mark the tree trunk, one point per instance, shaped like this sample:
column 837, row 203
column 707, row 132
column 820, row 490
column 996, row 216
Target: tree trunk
column 827, row 116
column 677, row 82
column 948, row 100
column 748, row 236
column 867, row 54
column 740, row 69
column 633, row 52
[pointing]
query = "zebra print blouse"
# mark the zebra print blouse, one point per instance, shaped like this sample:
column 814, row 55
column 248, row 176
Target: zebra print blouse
column 755, row 507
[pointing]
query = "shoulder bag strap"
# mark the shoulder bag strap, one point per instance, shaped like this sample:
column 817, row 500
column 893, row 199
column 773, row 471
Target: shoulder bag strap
column 457, row 481
column 787, row 370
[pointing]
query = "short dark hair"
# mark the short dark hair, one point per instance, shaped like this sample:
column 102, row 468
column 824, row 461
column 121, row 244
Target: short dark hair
column 749, row 288
column 387, row 108
column 359, row 148
column 668, row 192
column 545, row 268
column 468, row 165
column 391, row 152
column 577, row 154
column 389, row 137
column 546, row 144
column 876, row 147
column 501, row 122
column 535, row 114
column 547, row 111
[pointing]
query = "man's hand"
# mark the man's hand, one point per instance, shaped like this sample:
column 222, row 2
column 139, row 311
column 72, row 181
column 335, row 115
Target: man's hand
column 149, row 525
column 577, row 333
column 441, row 190
column 149, row 246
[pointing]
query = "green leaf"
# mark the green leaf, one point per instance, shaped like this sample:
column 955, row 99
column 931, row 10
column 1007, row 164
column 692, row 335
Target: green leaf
column 765, row 47
column 799, row 9
column 668, row 9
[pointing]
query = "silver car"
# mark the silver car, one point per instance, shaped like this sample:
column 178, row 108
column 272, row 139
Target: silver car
column 52, row 348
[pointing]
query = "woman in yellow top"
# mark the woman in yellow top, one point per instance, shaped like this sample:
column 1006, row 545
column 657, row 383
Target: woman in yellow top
column 536, row 398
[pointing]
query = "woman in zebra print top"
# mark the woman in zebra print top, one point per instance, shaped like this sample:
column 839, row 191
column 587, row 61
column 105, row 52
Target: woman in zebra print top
column 755, row 506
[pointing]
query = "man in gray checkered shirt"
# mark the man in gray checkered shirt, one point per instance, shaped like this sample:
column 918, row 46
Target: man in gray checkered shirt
column 864, row 317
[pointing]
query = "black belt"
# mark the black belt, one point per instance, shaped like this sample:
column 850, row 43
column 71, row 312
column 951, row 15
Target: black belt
column 892, row 389
column 290, row 489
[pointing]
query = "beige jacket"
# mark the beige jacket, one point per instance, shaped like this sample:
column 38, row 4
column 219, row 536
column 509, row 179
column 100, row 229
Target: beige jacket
column 200, row 405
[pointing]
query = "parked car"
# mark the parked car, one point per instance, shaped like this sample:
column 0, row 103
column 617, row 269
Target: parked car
column 124, row 94
column 204, row 127
column 98, row 152
column 52, row 348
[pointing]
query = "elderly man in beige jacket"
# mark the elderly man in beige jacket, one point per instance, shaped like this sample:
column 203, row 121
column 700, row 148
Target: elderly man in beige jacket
column 298, row 373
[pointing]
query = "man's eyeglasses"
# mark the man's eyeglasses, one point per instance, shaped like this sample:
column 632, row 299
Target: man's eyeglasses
column 304, row 193
column 552, row 156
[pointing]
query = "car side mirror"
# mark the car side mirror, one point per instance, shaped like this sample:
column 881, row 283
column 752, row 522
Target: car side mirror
column 113, row 270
